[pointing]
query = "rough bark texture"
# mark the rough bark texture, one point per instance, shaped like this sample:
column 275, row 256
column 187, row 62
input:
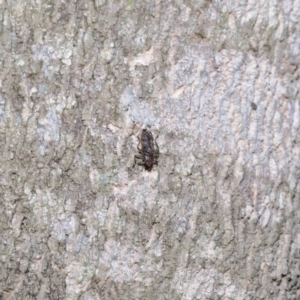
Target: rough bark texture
column 217, row 81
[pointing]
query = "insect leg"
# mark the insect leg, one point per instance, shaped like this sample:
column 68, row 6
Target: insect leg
column 157, row 149
column 138, row 146
column 137, row 159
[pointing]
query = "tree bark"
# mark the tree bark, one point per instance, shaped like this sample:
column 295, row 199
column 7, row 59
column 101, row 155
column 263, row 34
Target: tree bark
column 217, row 82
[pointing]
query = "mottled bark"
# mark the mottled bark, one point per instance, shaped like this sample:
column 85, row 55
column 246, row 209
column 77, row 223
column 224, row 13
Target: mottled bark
column 217, row 81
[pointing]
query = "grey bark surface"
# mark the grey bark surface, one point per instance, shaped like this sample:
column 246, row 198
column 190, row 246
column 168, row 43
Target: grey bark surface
column 217, row 82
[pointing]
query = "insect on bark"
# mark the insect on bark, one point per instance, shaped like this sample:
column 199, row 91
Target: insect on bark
column 148, row 150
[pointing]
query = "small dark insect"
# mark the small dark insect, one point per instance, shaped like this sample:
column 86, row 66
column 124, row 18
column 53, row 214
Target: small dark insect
column 148, row 151
column 253, row 106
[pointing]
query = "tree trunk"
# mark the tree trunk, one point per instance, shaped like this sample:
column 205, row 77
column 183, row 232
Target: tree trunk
column 217, row 82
